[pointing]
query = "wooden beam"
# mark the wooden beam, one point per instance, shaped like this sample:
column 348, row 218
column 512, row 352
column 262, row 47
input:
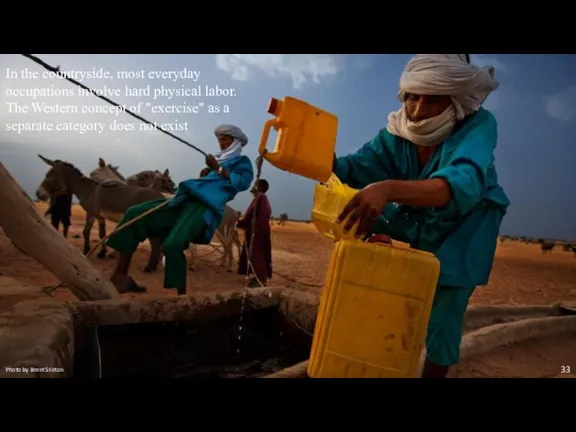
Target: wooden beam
column 299, row 370
column 31, row 234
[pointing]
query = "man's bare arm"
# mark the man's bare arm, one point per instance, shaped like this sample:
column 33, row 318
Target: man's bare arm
column 419, row 193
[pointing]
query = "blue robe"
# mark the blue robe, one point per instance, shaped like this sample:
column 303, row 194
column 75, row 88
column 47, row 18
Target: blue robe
column 215, row 191
column 463, row 234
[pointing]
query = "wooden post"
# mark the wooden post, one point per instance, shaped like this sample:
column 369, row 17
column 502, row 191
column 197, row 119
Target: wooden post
column 299, row 370
column 31, row 233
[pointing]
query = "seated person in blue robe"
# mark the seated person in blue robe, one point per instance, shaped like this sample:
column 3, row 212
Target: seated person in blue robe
column 428, row 178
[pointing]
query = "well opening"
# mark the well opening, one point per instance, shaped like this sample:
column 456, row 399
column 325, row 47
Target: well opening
column 204, row 347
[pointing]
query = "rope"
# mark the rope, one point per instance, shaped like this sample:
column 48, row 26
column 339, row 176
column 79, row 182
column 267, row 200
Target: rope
column 295, row 324
column 298, row 282
column 120, row 228
column 56, row 70
column 281, row 275
column 217, row 249
column 99, row 349
column 210, row 253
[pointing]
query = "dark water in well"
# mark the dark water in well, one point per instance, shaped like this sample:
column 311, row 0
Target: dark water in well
column 202, row 348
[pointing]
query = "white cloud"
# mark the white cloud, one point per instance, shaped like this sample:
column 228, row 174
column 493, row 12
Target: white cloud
column 562, row 105
column 300, row 68
column 484, row 60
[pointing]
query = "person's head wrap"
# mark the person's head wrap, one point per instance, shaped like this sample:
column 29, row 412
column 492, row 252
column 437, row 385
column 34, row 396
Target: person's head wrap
column 239, row 140
column 441, row 74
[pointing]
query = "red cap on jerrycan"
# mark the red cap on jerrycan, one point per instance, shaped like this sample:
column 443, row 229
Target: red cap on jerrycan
column 273, row 106
column 380, row 238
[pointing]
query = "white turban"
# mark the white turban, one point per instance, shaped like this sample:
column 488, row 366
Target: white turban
column 441, row 74
column 233, row 131
column 239, row 141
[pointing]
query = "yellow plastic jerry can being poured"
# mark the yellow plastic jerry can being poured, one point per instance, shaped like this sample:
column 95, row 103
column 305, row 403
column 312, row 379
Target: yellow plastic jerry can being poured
column 306, row 138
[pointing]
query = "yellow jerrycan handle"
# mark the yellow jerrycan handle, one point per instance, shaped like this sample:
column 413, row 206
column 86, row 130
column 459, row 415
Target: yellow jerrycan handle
column 385, row 240
column 266, row 133
column 380, row 240
column 277, row 124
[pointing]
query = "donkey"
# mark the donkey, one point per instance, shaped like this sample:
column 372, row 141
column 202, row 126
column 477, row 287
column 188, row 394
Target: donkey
column 160, row 181
column 228, row 236
column 108, row 174
column 156, row 179
column 99, row 200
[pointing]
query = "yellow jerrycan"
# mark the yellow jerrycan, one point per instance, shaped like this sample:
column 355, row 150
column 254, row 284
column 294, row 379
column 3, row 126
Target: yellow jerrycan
column 306, row 138
column 330, row 198
column 374, row 311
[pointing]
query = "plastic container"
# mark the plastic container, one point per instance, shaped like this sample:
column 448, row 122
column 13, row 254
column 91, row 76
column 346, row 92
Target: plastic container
column 330, row 199
column 374, row 311
column 306, row 138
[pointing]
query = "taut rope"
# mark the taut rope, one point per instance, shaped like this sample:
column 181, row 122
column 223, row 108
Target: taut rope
column 120, row 228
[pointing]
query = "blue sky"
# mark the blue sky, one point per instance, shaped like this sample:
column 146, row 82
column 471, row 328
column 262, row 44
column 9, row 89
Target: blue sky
column 535, row 107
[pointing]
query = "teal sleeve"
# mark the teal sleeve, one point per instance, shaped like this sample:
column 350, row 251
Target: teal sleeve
column 371, row 164
column 242, row 175
column 469, row 166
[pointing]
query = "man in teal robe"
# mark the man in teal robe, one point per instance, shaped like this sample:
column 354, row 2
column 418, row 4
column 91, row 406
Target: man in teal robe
column 192, row 216
column 429, row 179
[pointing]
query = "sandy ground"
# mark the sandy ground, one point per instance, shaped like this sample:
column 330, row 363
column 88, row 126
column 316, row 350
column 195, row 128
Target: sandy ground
column 521, row 275
column 539, row 358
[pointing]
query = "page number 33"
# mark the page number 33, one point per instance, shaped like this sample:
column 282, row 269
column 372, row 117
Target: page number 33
column 565, row 369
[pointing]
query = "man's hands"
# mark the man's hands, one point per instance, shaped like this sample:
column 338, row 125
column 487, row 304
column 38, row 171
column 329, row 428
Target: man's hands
column 365, row 207
column 205, row 172
column 214, row 165
column 211, row 162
